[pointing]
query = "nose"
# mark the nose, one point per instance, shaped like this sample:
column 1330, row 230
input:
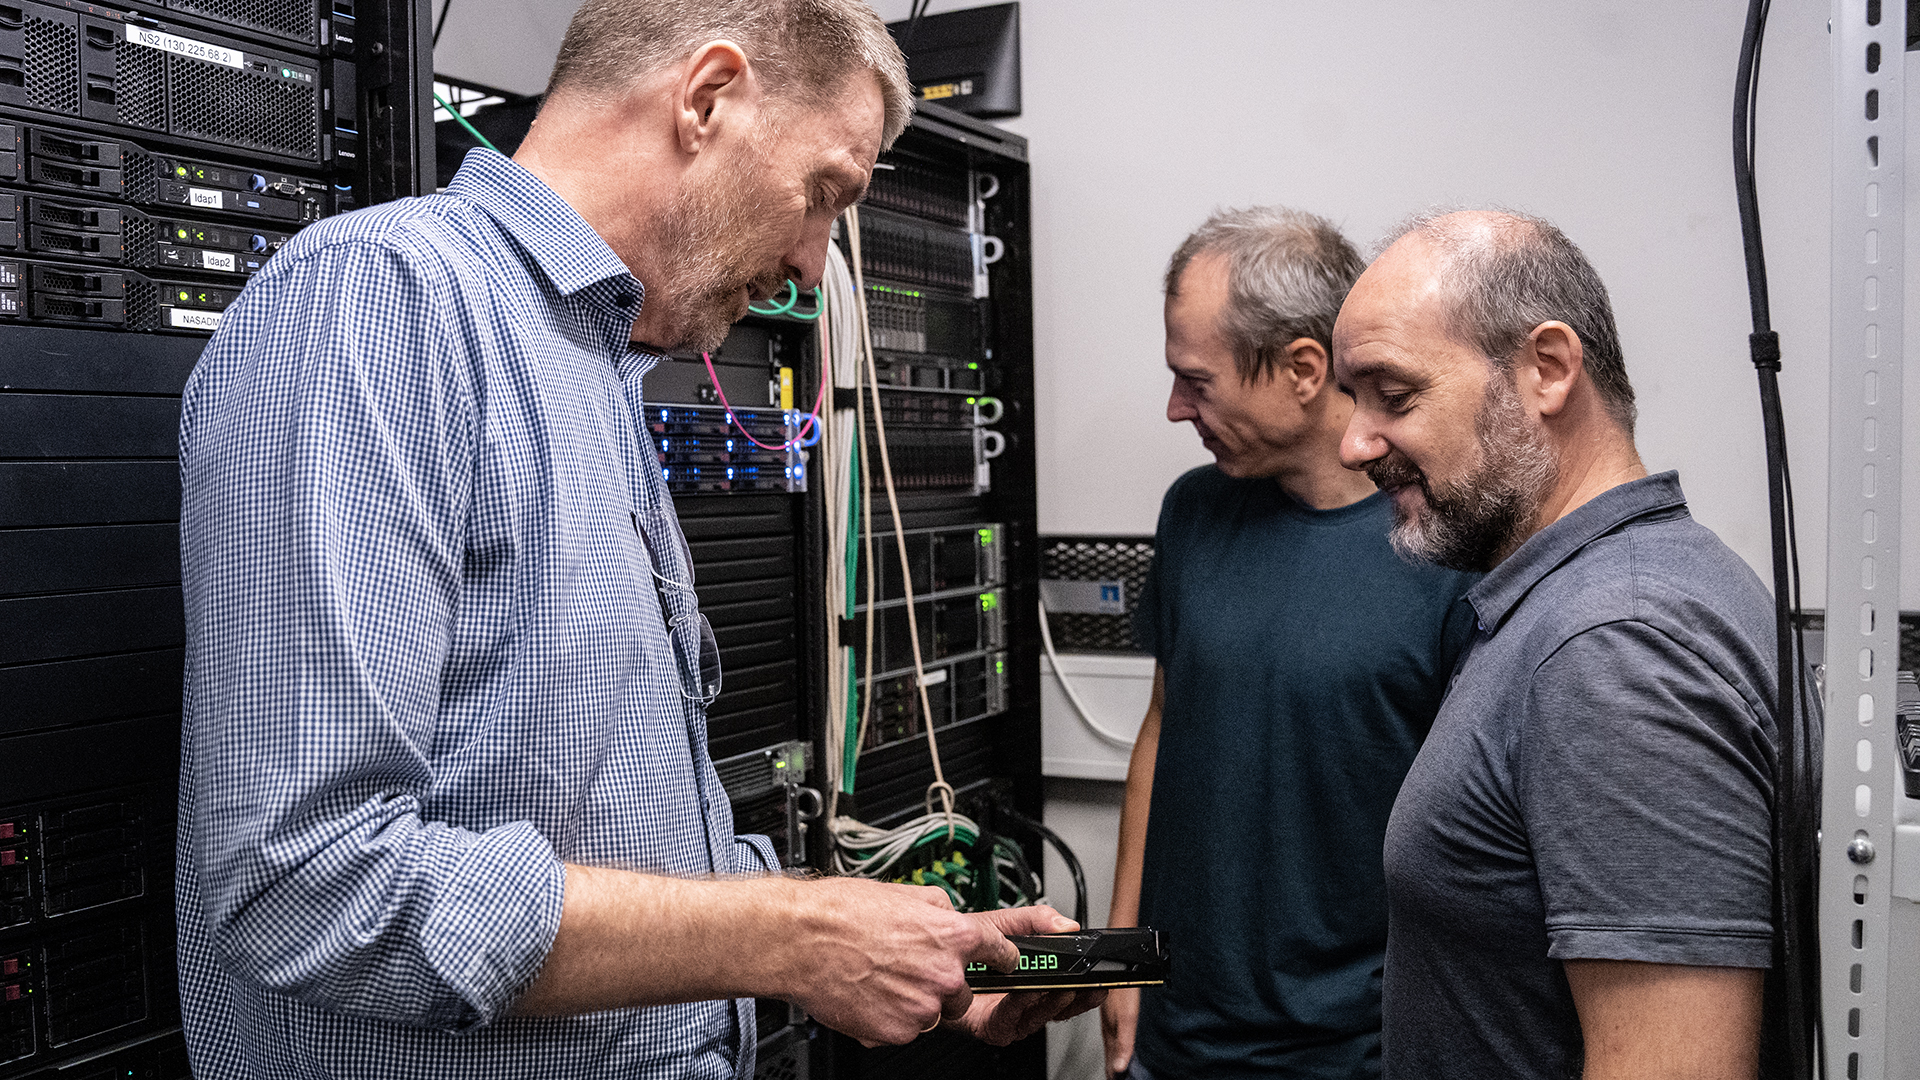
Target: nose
column 1180, row 406
column 1361, row 444
column 806, row 261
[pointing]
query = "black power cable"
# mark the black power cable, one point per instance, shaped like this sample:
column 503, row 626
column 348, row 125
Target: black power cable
column 1066, row 855
column 1790, row 1032
column 914, row 14
column 441, row 23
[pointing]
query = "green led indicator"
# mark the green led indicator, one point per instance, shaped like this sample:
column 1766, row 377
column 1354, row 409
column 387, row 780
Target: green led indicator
column 970, row 401
column 986, row 536
column 180, row 171
column 181, row 233
column 184, row 296
column 999, row 667
column 989, row 601
column 973, row 367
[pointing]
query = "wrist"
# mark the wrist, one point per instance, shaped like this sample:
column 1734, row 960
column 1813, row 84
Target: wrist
column 784, row 923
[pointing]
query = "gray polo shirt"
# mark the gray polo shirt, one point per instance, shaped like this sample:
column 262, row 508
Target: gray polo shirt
column 1596, row 786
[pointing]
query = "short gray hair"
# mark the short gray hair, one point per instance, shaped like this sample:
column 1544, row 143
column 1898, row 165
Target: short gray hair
column 1288, row 271
column 1504, row 273
column 805, row 45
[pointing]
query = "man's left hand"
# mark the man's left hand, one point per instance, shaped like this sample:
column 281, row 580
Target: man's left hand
column 999, row 1019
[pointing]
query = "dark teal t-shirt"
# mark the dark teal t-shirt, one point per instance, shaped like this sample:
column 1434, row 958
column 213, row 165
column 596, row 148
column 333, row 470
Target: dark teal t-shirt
column 1304, row 662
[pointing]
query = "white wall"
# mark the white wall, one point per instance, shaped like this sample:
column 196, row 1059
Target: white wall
column 1611, row 119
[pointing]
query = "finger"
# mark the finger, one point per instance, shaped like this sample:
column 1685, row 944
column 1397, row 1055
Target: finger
column 990, row 946
column 1023, row 1014
column 1082, row 1002
column 955, row 1005
column 1039, row 919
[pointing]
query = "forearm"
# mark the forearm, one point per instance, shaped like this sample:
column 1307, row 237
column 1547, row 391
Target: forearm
column 1130, row 855
column 630, row 939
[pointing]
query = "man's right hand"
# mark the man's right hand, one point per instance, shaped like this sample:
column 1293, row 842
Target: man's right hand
column 1117, row 1019
column 884, row 963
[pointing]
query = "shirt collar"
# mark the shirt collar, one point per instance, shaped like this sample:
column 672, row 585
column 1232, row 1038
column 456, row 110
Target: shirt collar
column 1495, row 596
column 551, row 232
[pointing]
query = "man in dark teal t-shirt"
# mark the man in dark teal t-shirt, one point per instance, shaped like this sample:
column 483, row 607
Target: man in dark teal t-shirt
column 1300, row 664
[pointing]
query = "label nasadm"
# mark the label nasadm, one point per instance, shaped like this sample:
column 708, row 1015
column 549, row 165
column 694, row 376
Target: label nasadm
column 194, row 320
column 187, row 47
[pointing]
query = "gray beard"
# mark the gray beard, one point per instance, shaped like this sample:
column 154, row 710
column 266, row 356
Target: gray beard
column 1474, row 522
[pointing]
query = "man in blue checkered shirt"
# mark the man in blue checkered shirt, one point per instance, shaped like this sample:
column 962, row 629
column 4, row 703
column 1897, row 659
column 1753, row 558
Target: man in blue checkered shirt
column 446, row 806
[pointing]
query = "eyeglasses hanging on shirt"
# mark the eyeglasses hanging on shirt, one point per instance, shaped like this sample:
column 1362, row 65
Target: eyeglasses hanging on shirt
column 700, row 673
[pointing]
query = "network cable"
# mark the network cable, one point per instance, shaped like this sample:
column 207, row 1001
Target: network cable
column 1079, row 706
column 799, row 439
column 1792, row 1035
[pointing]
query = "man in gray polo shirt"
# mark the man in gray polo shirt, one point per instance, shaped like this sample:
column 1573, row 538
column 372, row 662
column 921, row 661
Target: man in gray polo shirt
column 1578, row 863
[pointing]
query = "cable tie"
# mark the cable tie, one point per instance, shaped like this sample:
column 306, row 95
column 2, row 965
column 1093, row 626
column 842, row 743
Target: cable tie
column 1765, row 347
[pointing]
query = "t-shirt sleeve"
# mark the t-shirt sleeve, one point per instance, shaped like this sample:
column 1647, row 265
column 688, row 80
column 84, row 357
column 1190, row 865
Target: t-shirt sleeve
column 1644, row 781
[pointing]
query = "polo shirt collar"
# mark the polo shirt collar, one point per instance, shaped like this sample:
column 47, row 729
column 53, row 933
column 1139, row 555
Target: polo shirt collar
column 1495, row 596
column 552, row 233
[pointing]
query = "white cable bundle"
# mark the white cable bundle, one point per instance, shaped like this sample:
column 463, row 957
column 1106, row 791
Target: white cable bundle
column 880, row 849
column 840, row 345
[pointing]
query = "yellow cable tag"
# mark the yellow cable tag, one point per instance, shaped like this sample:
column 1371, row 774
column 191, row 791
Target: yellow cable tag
column 786, row 388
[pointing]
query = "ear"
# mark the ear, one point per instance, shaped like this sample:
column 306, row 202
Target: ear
column 1306, row 361
column 715, row 89
column 1549, row 366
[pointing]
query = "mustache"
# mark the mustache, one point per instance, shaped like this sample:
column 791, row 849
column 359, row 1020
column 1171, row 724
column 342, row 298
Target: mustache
column 1395, row 471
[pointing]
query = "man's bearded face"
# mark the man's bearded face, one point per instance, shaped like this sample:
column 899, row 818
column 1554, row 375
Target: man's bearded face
column 1472, row 521
column 721, row 258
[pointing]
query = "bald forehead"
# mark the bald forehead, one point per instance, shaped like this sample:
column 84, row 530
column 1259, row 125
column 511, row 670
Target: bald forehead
column 1404, row 280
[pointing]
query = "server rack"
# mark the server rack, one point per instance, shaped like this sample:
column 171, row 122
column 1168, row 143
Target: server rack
column 152, row 157
column 946, row 248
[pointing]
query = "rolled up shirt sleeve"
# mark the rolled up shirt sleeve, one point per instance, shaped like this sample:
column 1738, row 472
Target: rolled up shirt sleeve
column 1644, row 780
column 326, row 459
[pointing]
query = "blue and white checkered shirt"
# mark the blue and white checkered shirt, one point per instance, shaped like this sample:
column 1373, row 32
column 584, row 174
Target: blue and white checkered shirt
column 426, row 661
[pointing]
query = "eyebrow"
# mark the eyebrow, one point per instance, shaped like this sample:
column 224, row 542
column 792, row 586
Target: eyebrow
column 1370, row 369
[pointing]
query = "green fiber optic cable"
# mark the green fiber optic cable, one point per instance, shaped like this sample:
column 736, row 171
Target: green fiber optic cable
column 462, row 121
column 793, row 295
column 853, row 526
column 962, row 835
column 850, row 753
column 807, row 316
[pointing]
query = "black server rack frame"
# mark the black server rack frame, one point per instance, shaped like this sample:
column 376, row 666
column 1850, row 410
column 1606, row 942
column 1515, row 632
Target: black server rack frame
column 140, row 186
column 967, row 347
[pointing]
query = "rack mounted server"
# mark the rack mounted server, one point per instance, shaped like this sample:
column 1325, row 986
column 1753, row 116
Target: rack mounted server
column 153, row 157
